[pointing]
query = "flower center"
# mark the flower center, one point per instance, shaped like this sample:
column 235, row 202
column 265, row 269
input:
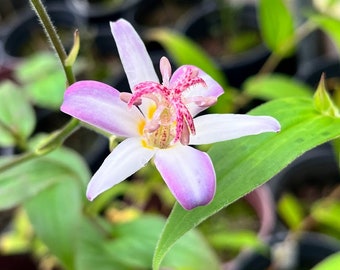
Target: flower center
column 168, row 119
column 159, row 132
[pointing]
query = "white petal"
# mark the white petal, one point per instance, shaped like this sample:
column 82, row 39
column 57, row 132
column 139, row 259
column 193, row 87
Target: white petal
column 135, row 59
column 189, row 174
column 212, row 128
column 127, row 158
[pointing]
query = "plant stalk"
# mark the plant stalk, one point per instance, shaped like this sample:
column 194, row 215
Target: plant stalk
column 53, row 37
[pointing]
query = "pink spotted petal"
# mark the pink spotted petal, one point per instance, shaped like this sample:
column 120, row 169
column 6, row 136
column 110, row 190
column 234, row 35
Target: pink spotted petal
column 135, row 59
column 213, row 89
column 189, row 174
column 127, row 158
column 98, row 104
column 213, row 128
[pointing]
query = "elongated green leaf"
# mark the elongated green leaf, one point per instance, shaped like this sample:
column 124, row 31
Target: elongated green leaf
column 56, row 210
column 92, row 251
column 330, row 26
column 135, row 241
column 277, row 26
column 185, row 52
column 276, row 86
column 330, row 263
column 55, row 214
column 242, row 165
column 291, row 211
column 13, row 106
column 43, row 79
column 28, row 179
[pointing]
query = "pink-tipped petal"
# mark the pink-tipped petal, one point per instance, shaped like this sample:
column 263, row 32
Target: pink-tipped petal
column 213, row 128
column 99, row 104
column 189, row 174
column 212, row 89
column 135, row 59
column 127, row 158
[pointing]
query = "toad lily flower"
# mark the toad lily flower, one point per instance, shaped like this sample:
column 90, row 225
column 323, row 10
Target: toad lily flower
column 158, row 122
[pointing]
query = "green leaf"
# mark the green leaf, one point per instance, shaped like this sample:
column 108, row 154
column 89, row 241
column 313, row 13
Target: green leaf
column 322, row 100
column 135, row 241
column 186, row 52
column 92, row 251
column 13, row 106
column 28, row 179
column 236, row 240
column 330, row 26
column 43, row 79
column 55, row 214
column 291, row 211
column 277, row 26
column 72, row 56
column 243, row 164
column 330, row 263
column 274, row 86
column 327, row 212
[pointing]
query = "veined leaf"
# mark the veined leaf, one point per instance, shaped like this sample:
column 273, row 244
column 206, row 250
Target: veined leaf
column 243, row 164
column 28, row 179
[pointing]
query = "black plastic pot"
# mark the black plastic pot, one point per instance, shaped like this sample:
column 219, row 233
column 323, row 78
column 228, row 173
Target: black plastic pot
column 310, row 249
column 17, row 262
column 205, row 25
column 154, row 13
column 101, row 11
column 312, row 70
column 9, row 9
column 25, row 34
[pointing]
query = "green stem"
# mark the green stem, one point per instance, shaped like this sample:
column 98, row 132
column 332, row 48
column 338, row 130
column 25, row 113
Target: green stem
column 52, row 35
column 58, row 137
column 52, row 142
column 17, row 160
column 19, row 141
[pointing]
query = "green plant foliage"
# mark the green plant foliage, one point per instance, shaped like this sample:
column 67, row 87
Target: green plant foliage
column 291, row 211
column 13, row 106
column 330, row 263
column 274, row 86
column 31, row 177
column 55, row 214
column 327, row 212
column 253, row 160
column 43, row 79
column 323, row 102
column 236, row 240
column 92, row 252
column 276, row 26
column 132, row 243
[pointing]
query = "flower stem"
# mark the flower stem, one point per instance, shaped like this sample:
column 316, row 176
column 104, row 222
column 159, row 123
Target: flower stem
column 58, row 137
column 53, row 37
column 17, row 160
